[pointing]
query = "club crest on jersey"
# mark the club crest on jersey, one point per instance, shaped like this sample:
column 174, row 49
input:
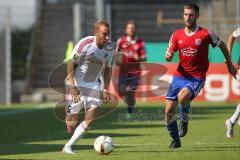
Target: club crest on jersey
column 198, row 42
column 76, row 57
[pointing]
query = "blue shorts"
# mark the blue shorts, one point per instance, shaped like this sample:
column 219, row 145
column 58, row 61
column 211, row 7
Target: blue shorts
column 193, row 84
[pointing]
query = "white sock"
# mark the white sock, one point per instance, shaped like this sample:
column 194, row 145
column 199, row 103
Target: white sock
column 236, row 115
column 78, row 133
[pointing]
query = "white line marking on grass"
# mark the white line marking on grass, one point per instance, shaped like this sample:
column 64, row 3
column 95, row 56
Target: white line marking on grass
column 132, row 144
column 18, row 111
column 156, row 144
column 202, row 143
column 7, row 113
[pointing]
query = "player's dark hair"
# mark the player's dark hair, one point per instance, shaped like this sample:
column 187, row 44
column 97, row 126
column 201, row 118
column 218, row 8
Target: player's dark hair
column 99, row 23
column 131, row 22
column 192, row 6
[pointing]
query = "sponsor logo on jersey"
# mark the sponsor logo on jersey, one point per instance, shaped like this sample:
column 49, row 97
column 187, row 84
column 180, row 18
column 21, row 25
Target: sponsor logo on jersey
column 189, row 51
column 93, row 59
column 198, row 41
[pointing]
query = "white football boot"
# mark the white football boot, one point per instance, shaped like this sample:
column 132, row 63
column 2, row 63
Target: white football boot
column 67, row 149
column 229, row 127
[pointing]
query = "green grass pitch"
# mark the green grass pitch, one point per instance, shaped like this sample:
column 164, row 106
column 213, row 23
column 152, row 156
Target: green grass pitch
column 30, row 132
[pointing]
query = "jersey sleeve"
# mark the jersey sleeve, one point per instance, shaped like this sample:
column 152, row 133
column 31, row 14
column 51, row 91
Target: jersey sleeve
column 172, row 46
column 74, row 56
column 78, row 50
column 236, row 33
column 214, row 40
column 142, row 51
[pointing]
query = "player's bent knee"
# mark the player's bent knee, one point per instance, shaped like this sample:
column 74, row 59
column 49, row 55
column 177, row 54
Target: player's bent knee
column 184, row 100
column 89, row 121
column 91, row 114
column 184, row 95
column 85, row 125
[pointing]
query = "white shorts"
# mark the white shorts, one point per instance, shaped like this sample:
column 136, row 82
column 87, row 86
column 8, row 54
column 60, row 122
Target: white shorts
column 90, row 95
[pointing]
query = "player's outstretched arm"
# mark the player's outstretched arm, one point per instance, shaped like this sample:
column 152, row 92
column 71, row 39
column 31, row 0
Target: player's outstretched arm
column 231, row 69
column 70, row 77
column 230, row 43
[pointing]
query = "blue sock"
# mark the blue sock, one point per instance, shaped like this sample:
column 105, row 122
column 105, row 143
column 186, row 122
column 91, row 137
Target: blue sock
column 184, row 112
column 173, row 130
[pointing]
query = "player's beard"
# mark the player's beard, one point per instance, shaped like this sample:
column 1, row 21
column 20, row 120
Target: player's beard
column 190, row 25
column 101, row 43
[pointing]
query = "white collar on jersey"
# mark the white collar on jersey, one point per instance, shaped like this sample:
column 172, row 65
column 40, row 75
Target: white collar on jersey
column 132, row 41
column 190, row 34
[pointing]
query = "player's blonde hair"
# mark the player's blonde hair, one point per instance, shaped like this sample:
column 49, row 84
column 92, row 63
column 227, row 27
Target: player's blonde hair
column 99, row 23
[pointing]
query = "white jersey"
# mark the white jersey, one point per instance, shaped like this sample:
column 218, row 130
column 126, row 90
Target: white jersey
column 91, row 60
column 236, row 33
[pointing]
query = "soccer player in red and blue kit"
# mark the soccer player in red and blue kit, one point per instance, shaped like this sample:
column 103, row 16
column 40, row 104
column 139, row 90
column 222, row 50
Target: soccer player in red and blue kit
column 192, row 43
column 131, row 51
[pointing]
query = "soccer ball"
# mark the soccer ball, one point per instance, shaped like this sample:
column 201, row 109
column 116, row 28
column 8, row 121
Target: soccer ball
column 103, row 145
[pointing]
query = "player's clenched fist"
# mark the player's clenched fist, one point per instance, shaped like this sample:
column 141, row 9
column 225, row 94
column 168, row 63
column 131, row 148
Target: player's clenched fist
column 105, row 96
column 75, row 94
column 169, row 56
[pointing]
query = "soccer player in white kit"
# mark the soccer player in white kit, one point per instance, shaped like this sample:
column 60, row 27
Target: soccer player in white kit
column 90, row 59
column 229, row 123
